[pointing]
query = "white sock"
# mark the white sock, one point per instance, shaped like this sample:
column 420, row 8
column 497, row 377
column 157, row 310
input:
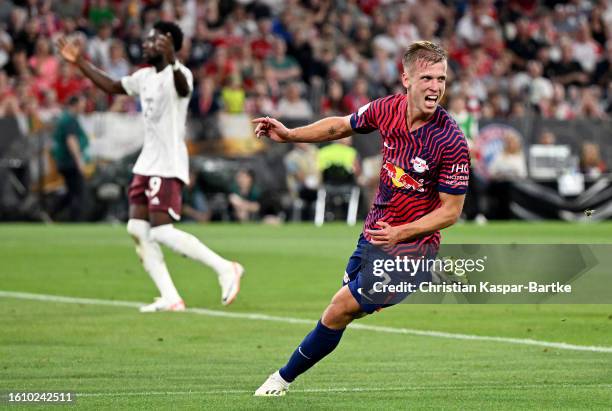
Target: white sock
column 152, row 259
column 188, row 245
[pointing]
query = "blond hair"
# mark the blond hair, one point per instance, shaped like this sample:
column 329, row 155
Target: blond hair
column 423, row 50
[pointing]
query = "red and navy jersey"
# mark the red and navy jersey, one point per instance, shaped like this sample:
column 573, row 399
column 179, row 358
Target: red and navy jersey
column 417, row 165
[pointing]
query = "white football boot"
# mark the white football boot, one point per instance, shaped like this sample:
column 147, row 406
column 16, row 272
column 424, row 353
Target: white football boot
column 162, row 305
column 229, row 280
column 275, row 386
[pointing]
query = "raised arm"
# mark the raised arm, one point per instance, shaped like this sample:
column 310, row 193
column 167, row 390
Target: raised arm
column 72, row 53
column 327, row 129
column 164, row 44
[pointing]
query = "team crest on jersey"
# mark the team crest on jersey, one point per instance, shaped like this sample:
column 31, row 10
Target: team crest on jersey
column 402, row 179
column 419, row 165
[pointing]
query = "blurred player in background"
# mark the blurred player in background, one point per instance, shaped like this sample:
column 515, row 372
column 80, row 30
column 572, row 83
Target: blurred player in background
column 162, row 169
column 422, row 188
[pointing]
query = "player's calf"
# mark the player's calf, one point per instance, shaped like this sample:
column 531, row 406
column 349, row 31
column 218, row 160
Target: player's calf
column 320, row 342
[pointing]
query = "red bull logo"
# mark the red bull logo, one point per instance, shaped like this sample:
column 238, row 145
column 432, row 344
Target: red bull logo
column 402, row 179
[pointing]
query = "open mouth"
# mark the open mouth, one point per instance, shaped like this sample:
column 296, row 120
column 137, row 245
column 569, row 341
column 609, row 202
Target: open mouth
column 431, row 100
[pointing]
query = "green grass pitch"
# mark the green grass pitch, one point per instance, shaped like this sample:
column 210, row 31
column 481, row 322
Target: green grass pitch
column 115, row 357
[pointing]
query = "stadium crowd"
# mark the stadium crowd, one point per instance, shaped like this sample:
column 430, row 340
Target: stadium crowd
column 298, row 59
column 505, row 57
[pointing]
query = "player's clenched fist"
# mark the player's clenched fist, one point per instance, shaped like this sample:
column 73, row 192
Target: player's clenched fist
column 271, row 128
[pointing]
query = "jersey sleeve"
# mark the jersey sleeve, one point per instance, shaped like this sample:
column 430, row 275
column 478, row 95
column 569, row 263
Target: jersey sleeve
column 455, row 167
column 131, row 83
column 365, row 120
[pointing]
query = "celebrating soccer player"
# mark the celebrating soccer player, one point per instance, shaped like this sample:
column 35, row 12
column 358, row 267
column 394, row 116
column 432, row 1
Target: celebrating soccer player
column 162, row 167
column 421, row 191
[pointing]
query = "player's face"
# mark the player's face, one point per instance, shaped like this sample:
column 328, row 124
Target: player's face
column 426, row 84
column 149, row 50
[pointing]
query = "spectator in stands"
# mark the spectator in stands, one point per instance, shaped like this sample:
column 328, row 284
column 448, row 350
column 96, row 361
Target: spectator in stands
column 602, row 75
column 44, row 65
column 101, row 14
column 591, row 163
column 244, row 196
column 220, row 67
column 233, row 95
column 64, row 9
column 303, row 177
column 6, row 46
column 247, row 66
column 471, row 27
column 206, row 100
column 585, row 49
column 49, row 24
column 507, row 168
column 49, row 108
column 357, row 97
column 547, row 138
column 534, row 83
column 597, row 22
column 568, row 71
column 510, row 164
column 557, row 107
column 284, row 67
column 523, row 46
column 347, row 63
column 6, row 6
column 184, row 16
column 26, row 38
column 292, row 106
column 70, row 151
column 118, row 66
column 133, row 43
column 433, row 12
column 259, row 103
column 202, row 47
column 301, row 49
column 69, row 82
column 98, row 48
column 468, row 122
column 591, row 104
column 262, row 43
column 9, row 104
column 332, row 103
column 362, row 38
column 382, row 69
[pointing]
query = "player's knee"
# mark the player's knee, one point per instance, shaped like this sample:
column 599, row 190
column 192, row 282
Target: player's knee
column 162, row 234
column 139, row 229
column 340, row 312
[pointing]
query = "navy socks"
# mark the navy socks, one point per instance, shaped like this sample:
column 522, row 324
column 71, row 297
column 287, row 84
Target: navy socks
column 320, row 342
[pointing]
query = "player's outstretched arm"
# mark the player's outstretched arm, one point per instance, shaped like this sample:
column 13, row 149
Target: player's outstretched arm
column 327, row 129
column 444, row 216
column 72, row 53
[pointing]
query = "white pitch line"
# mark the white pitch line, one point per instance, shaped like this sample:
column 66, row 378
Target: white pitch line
column 291, row 320
column 348, row 389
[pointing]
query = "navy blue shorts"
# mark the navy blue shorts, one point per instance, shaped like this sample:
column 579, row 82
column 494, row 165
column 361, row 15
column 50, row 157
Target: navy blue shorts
column 354, row 278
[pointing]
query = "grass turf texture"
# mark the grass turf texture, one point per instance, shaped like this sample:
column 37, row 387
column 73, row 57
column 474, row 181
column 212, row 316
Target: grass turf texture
column 117, row 357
